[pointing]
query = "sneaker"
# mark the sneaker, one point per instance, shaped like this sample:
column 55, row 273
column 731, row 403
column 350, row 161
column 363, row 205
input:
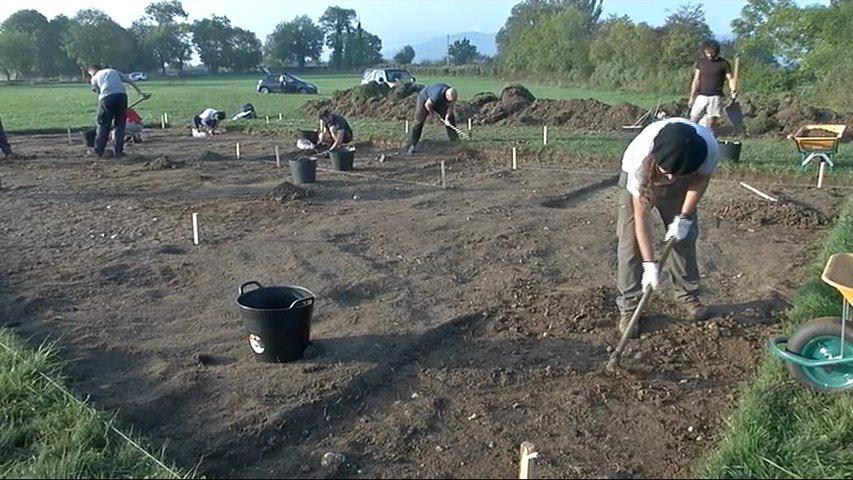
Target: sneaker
column 411, row 149
column 625, row 320
column 694, row 310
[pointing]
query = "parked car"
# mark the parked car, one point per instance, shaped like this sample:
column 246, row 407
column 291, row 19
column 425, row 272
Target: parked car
column 391, row 76
column 285, row 83
column 137, row 76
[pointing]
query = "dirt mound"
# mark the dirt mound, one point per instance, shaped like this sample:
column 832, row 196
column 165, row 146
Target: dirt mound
column 208, row 156
column 286, row 192
column 761, row 213
column 517, row 106
column 162, row 163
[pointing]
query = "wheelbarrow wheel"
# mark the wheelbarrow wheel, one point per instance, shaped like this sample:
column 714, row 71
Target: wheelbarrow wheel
column 820, row 339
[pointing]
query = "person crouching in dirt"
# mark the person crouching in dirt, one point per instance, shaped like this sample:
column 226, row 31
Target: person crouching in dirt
column 133, row 126
column 436, row 99
column 208, row 120
column 334, row 131
column 666, row 167
column 112, row 103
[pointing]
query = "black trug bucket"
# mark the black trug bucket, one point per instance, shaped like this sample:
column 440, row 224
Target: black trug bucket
column 304, row 170
column 89, row 137
column 278, row 320
column 730, row 150
column 342, row 159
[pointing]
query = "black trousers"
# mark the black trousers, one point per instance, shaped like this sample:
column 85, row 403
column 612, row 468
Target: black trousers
column 4, row 143
column 421, row 115
column 111, row 112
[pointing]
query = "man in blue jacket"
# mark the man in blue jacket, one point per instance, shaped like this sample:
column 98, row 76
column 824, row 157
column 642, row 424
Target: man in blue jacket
column 436, row 99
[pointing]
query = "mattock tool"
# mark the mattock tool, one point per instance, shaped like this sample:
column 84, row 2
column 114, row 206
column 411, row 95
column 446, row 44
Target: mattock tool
column 647, row 293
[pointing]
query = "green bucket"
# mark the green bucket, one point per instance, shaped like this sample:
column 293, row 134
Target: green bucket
column 342, row 159
column 303, row 170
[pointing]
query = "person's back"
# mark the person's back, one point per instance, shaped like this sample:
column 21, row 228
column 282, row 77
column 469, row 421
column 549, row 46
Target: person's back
column 108, row 82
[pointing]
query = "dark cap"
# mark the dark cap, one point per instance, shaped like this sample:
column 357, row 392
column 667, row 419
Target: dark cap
column 679, row 149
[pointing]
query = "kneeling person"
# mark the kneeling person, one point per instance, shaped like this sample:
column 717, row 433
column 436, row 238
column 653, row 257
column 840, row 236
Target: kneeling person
column 208, row 119
column 335, row 130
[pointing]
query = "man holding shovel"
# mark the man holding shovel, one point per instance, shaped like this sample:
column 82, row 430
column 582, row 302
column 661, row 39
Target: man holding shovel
column 666, row 167
column 437, row 99
column 112, row 106
column 706, row 90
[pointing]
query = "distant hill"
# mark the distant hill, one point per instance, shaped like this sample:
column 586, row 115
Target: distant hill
column 435, row 48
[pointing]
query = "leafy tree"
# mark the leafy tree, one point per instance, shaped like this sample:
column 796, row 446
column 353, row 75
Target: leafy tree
column 211, row 37
column 296, row 41
column 17, row 53
column 337, row 23
column 362, row 48
column 526, row 14
column 164, row 35
column 461, row 52
column 615, row 51
column 405, row 56
column 683, row 31
column 244, row 50
column 768, row 28
column 93, row 37
column 49, row 58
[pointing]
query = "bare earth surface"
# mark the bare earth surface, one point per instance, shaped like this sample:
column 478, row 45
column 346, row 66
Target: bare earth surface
column 450, row 324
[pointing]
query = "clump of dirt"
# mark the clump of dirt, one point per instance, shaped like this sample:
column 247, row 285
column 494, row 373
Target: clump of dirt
column 286, row 192
column 162, row 163
column 208, row 156
column 762, row 213
column 516, row 105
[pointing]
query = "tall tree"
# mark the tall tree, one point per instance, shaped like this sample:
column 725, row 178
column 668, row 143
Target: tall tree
column 461, row 52
column 526, row 14
column 682, row 32
column 296, row 41
column 164, row 32
column 93, row 37
column 49, row 59
column 337, row 22
column 17, row 53
column 211, row 39
column 362, row 49
column 244, row 50
column 405, row 56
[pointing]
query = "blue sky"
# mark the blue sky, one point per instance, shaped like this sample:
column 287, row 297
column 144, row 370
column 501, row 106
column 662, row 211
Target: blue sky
column 397, row 22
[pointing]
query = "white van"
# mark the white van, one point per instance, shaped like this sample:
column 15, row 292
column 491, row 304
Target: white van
column 391, row 76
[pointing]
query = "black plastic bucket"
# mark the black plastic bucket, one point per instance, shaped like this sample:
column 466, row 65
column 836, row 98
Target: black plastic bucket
column 342, row 159
column 89, row 137
column 304, row 170
column 278, row 320
column 730, row 150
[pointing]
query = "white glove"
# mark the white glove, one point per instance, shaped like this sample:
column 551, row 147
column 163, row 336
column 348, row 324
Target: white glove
column 679, row 228
column 650, row 275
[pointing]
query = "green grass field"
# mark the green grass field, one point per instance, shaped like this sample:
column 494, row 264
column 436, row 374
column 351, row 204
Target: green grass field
column 32, row 108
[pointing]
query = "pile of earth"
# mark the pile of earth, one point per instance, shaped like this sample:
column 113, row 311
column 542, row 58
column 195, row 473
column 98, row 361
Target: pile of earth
column 285, row 192
column 760, row 213
column 517, row 106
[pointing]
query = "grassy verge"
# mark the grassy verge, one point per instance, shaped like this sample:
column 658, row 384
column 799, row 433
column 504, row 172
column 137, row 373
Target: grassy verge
column 46, row 434
column 781, row 429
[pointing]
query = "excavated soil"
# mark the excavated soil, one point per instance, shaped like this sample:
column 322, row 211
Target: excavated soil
column 450, row 324
column 517, row 106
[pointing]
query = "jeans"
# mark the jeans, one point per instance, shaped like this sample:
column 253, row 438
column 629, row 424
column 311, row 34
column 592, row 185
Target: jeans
column 111, row 111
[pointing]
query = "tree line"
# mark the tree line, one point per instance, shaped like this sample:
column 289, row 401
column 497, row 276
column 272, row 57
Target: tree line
column 783, row 47
column 32, row 45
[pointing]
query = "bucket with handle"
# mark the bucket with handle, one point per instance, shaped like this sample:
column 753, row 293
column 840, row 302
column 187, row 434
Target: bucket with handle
column 342, row 159
column 303, row 170
column 277, row 319
column 730, row 150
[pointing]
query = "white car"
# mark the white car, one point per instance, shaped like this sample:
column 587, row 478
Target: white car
column 137, row 76
column 391, row 76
